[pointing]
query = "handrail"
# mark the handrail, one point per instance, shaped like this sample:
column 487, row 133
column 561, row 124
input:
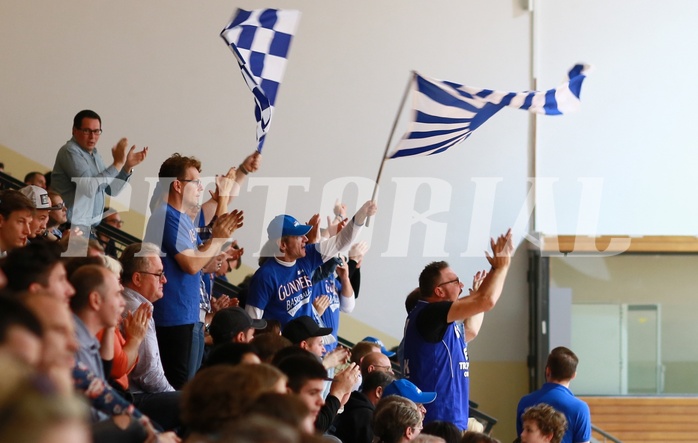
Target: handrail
column 605, row 434
column 9, row 182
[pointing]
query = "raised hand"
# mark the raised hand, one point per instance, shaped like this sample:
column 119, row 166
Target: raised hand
column 368, row 209
column 226, row 224
column 357, row 252
column 342, row 270
column 136, row 323
column 314, row 233
column 477, row 281
column 252, row 162
column 344, row 382
column 218, row 303
column 340, row 210
column 224, row 185
column 339, row 356
column 134, row 158
column 502, row 250
column 321, row 304
column 335, row 226
column 118, row 153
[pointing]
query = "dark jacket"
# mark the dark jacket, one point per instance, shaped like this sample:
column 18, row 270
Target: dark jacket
column 354, row 424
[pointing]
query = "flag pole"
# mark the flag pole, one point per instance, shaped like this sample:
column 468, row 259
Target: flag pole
column 390, row 138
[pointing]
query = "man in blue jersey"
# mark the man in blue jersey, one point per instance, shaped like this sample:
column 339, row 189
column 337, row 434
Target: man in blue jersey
column 436, row 354
column 281, row 288
column 560, row 370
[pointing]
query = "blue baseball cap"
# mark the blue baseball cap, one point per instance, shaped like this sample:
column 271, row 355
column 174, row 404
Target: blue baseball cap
column 283, row 225
column 407, row 389
column 379, row 343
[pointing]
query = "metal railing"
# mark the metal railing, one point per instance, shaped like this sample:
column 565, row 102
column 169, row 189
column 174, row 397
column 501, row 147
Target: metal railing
column 605, row 435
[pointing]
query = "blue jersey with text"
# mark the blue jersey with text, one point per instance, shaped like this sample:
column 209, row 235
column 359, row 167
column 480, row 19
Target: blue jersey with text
column 440, row 367
column 330, row 287
column 285, row 292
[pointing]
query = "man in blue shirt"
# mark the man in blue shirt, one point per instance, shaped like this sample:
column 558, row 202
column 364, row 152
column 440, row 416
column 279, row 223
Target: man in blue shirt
column 560, row 370
column 177, row 314
column 436, row 353
column 281, row 289
column 80, row 175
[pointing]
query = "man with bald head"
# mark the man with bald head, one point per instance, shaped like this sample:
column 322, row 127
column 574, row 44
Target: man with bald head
column 375, row 361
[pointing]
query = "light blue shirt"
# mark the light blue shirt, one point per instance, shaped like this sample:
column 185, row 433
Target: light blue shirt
column 74, row 165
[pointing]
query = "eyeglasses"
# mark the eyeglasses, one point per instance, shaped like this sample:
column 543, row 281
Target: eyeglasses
column 90, row 131
column 456, row 281
column 387, row 368
column 159, row 275
column 59, row 207
column 197, row 181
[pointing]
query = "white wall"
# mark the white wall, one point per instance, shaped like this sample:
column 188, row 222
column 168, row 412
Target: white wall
column 635, row 136
column 158, row 73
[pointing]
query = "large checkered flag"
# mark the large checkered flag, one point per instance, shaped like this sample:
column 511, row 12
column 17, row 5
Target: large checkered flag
column 260, row 40
column 446, row 113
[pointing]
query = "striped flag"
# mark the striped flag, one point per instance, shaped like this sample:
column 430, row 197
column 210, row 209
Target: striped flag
column 446, row 113
column 260, row 40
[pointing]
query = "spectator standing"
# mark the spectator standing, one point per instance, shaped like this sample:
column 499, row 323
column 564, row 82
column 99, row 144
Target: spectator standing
column 436, row 353
column 177, row 316
column 80, row 159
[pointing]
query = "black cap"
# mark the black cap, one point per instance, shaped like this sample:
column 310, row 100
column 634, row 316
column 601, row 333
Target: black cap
column 229, row 322
column 302, row 328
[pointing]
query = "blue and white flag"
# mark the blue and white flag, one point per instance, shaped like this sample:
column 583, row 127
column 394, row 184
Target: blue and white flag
column 260, row 40
column 446, row 113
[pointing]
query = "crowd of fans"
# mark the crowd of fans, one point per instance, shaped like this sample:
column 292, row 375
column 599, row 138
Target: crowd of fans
column 134, row 345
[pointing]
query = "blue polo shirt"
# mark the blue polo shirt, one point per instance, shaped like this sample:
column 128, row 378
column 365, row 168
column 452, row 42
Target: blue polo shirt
column 562, row 400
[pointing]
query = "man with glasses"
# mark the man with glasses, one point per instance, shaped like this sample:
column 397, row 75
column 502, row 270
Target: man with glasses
column 178, row 323
column 80, row 160
column 143, row 278
column 436, row 353
column 375, row 361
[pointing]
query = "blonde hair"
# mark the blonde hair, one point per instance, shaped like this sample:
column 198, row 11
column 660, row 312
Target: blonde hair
column 113, row 265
